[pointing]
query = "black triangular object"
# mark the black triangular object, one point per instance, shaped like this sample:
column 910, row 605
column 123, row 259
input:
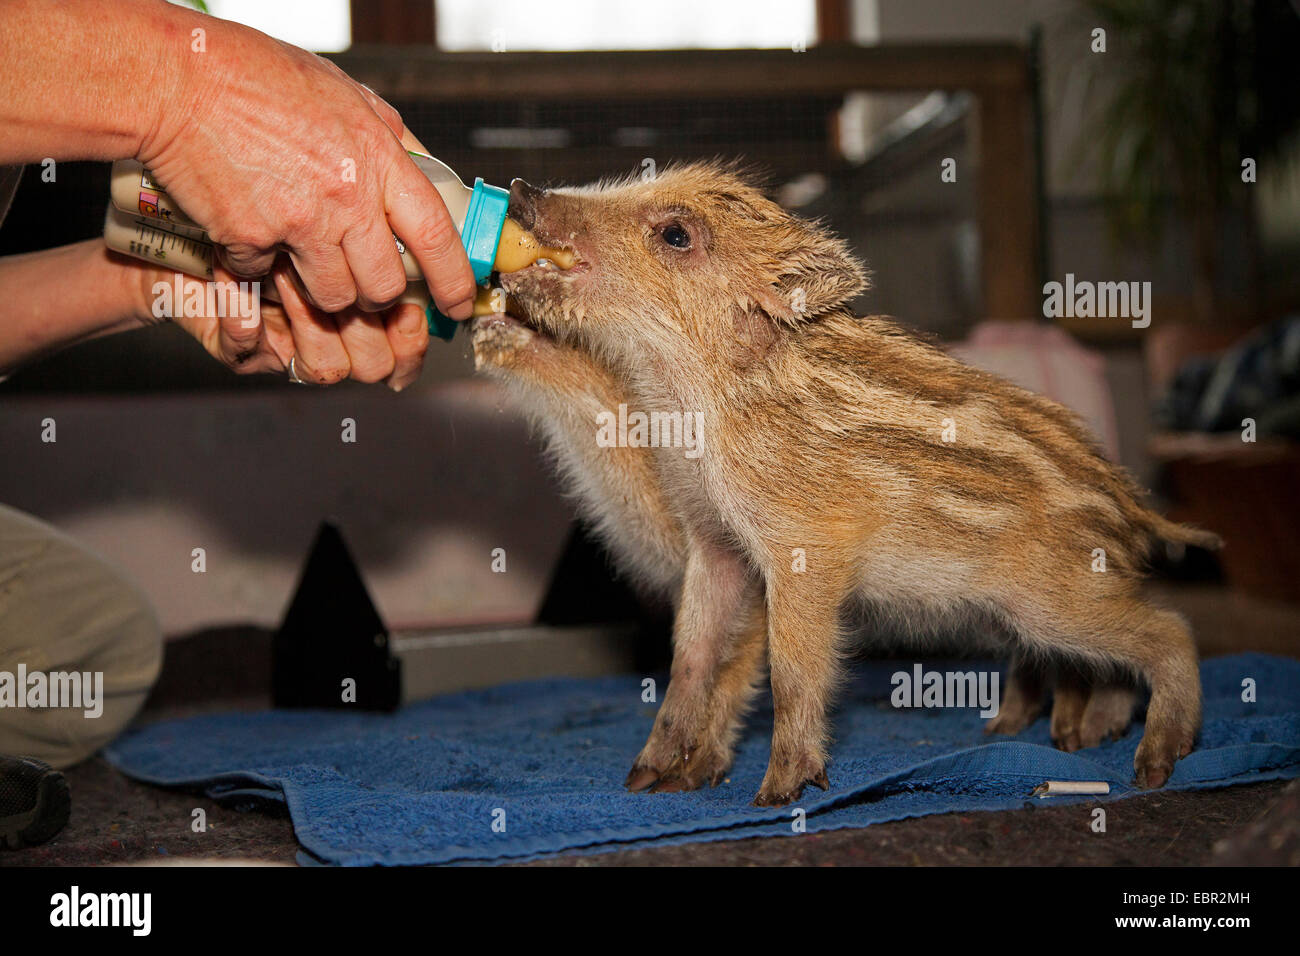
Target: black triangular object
column 585, row 590
column 332, row 633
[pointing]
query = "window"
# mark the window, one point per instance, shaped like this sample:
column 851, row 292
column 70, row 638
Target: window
column 518, row 25
column 322, row 26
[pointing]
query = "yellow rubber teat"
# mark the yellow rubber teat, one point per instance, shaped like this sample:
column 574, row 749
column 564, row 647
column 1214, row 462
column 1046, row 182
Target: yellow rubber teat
column 487, row 301
column 519, row 249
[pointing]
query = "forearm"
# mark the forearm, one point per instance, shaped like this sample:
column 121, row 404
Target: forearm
column 57, row 297
column 88, row 79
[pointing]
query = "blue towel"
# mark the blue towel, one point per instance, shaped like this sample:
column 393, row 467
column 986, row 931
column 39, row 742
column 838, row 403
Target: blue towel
column 547, row 759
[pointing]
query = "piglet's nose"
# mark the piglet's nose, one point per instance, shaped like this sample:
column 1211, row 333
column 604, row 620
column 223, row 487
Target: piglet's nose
column 522, row 207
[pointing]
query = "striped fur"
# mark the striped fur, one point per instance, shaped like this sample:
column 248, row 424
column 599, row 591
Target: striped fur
column 846, row 463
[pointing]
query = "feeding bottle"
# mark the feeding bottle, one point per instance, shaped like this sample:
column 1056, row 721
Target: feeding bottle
column 144, row 222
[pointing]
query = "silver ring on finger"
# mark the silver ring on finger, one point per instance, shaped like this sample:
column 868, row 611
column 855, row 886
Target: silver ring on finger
column 293, row 371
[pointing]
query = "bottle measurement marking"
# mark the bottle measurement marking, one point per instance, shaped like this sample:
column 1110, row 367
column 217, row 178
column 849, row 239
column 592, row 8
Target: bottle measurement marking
column 154, row 243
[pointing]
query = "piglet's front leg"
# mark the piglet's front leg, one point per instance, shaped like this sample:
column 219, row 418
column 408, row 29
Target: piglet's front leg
column 564, row 391
column 718, row 640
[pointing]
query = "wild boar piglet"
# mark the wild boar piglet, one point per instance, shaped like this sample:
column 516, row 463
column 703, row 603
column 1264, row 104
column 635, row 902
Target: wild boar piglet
column 780, row 466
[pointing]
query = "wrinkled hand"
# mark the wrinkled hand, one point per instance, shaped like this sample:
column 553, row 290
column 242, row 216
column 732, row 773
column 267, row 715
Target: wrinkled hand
column 385, row 346
column 276, row 149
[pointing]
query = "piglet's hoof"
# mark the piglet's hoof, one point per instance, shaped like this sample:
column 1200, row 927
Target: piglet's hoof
column 639, row 778
column 1156, row 755
column 770, row 795
column 687, row 770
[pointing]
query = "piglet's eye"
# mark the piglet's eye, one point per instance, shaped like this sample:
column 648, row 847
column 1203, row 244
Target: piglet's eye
column 676, row 236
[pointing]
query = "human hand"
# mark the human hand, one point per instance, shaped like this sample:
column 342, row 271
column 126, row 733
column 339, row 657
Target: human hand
column 263, row 336
column 271, row 148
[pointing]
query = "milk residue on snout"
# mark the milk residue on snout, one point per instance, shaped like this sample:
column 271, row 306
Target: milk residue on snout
column 518, row 249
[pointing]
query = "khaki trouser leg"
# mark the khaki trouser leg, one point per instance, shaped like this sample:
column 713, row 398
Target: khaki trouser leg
column 64, row 609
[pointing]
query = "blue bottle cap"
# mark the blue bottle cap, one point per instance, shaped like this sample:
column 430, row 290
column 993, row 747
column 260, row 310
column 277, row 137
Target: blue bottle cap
column 483, row 222
column 480, row 236
column 439, row 325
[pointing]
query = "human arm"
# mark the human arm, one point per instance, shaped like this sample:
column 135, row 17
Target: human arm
column 58, row 297
column 270, row 148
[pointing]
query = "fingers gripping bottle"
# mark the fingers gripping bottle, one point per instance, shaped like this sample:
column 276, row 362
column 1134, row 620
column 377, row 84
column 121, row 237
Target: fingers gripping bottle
column 144, row 222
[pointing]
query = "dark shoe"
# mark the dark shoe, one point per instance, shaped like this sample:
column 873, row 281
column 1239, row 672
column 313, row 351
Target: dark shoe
column 34, row 802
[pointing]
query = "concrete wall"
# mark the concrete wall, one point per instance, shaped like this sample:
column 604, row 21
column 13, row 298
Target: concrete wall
column 434, row 482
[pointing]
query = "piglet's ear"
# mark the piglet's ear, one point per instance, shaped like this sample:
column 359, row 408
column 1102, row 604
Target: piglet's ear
column 814, row 274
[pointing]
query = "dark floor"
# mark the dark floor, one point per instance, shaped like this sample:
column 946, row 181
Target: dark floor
column 116, row 820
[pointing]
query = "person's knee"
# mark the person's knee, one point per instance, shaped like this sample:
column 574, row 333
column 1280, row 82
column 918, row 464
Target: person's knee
column 77, row 624
column 124, row 669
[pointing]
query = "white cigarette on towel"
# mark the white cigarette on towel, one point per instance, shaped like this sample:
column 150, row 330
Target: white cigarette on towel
column 1057, row 788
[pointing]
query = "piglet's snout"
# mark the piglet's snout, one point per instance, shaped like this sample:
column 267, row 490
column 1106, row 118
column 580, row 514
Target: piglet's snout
column 523, row 205
column 560, row 223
